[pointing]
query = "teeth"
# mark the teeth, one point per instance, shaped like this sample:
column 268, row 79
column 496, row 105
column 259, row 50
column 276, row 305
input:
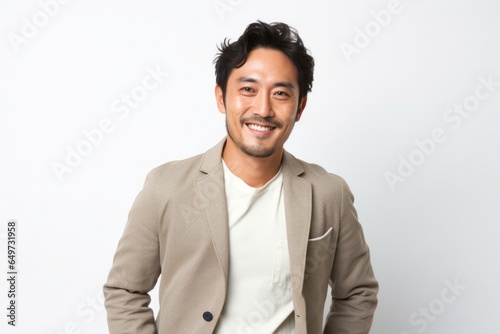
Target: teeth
column 259, row 128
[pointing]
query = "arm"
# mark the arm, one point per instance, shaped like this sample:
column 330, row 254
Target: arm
column 135, row 270
column 354, row 287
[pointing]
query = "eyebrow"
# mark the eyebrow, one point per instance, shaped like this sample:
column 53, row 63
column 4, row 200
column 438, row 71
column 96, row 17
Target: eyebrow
column 286, row 84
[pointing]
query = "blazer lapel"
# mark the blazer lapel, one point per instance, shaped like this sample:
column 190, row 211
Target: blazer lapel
column 210, row 190
column 298, row 206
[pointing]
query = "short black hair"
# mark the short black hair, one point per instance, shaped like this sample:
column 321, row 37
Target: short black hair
column 278, row 36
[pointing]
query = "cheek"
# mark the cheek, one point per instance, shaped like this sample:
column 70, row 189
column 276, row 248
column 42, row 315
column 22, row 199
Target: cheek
column 240, row 104
column 289, row 114
column 238, row 107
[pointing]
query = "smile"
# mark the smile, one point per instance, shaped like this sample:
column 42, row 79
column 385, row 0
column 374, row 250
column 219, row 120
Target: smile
column 260, row 128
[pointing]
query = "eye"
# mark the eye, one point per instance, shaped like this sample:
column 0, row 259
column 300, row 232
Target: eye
column 247, row 89
column 281, row 94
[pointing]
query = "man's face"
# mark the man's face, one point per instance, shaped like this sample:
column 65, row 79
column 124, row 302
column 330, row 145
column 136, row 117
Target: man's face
column 262, row 103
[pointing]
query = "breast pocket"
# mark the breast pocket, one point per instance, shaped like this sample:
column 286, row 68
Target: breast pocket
column 324, row 236
column 320, row 252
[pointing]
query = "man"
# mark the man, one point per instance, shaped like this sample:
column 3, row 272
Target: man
column 245, row 236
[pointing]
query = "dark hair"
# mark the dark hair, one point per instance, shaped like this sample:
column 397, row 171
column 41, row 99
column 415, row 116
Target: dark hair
column 277, row 36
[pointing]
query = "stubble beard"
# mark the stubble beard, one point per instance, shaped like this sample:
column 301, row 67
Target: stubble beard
column 255, row 151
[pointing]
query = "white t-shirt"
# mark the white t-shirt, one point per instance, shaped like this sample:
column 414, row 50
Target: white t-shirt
column 259, row 296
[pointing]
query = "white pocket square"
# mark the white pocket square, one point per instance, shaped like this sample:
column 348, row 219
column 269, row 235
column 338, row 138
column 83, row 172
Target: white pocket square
column 323, row 236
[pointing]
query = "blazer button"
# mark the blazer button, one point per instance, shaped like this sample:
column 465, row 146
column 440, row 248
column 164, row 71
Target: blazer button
column 208, row 316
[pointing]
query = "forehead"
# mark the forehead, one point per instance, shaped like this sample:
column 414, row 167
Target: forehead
column 265, row 64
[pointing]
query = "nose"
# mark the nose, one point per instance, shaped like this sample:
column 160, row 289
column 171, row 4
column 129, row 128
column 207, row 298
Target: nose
column 263, row 106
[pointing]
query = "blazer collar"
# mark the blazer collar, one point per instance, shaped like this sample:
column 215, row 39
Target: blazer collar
column 212, row 158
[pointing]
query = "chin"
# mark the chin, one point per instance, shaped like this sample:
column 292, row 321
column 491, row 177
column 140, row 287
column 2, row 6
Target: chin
column 257, row 152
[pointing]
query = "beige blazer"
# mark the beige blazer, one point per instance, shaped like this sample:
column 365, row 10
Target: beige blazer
column 178, row 228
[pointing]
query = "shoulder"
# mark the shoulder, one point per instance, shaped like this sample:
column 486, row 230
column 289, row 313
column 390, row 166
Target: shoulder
column 315, row 173
column 176, row 169
column 174, row 177
column 170, row 179
column 180, row 174
column 326, row 186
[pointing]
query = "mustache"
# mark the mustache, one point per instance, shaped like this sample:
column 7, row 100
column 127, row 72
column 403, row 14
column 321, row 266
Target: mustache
column 261, row 120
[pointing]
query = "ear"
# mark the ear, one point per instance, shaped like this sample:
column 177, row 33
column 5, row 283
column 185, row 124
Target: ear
column 300, row 109
column 219, row 98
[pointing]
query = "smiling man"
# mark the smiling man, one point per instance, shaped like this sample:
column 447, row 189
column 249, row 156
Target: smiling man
column 262, row 102
column 246, row 238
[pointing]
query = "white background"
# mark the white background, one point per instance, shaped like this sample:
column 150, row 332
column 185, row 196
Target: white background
column 365, row 113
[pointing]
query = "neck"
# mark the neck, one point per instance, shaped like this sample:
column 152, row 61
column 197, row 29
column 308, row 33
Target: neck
column 255, row 172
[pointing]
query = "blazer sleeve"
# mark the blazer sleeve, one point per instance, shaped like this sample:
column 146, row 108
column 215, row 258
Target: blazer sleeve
column 136, row 268
column 354, row 287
